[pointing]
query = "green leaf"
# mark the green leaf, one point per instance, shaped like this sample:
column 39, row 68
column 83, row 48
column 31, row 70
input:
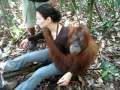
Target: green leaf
column 108, row 70
column 104, row 74
column 117, row 3
column 62, row 2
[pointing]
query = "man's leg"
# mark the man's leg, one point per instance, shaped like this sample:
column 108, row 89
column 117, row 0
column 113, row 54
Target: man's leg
column 38, row 76
column 29, row 13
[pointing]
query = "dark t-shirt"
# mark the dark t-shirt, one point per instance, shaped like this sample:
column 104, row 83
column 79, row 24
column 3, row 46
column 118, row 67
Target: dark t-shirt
column 60, row 41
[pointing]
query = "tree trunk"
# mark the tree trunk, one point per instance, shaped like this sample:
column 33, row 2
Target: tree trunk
column 90, row 12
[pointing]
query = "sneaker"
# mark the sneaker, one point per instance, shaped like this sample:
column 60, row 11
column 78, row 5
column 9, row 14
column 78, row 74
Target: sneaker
column 2, row 81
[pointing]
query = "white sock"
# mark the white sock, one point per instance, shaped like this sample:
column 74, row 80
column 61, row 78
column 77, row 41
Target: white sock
column 2, row 65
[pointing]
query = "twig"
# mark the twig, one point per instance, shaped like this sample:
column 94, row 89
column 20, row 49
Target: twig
column 98, row 12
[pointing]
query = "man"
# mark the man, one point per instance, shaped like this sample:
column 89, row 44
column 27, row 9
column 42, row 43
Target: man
column 29, row 13
column 29, row 19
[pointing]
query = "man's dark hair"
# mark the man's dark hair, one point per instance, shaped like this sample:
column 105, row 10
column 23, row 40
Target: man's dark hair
column 46, row 10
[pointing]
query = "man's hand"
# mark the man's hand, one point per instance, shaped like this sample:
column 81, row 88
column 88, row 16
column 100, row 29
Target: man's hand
column 65, row 79
column 24, row 44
